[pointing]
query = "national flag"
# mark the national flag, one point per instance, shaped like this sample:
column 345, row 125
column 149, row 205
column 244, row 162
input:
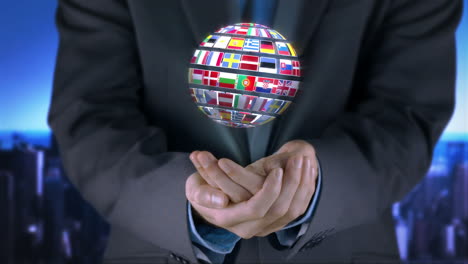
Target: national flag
column 236, row 43
column 267, row 65
column 192, row 94
column 227, row 80
column 237, row 116
column 253, row 32
column 202, row 57
column 199, row 95
column 215, row 58
column 267, row 47
column 236, row 100
column 214, row 112
column 265, row 85
column 291, row 49
column 285, row 67
column 263, row 119
column 293, row 87
column 211, row 97
column 284, row 107
column 267, row 105
column 231, row 60
column 282, row 88
column 232, row 30
column 210, row 78
column 264, row 33
column 222, row 42
column 224, row 29
column 209, row 111
column 274, row 106
column 249, row 62
column 195, row 56
column 245, row 82
column 244, row 101
column 259, row 103
column 275, row 34
column 206, row 110
column 225, row 99
column 249, row 118
column 245, row 24
column 252, row 45
column 209, row 41
column 242, row 31
column 282, row 48
column 296, row 68
column 225, row 114
column 195, row 76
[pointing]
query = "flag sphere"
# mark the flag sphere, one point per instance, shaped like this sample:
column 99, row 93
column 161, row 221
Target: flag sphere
column 244, row 75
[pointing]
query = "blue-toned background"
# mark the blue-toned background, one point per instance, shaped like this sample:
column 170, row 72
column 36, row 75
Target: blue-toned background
column 431, row 222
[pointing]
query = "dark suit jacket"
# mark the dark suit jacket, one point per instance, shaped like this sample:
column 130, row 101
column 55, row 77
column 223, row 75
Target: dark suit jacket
column 378, row 91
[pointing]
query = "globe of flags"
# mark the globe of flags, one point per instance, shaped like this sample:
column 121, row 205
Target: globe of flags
column 244, row 75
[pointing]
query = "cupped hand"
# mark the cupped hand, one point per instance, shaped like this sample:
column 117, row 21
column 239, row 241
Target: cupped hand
column 228, row 183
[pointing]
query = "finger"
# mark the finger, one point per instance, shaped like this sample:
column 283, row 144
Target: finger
column 257, row 167
column 253, row 209
column 193, row 182
column 251, row 181
column 197, row 190
column 300, row 201
column 278, row 160
column 291, row 182
column 236, row 192
column 207, row 196
column 196, row 163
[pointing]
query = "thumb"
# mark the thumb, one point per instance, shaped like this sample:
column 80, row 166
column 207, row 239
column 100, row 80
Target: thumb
column 208, row 196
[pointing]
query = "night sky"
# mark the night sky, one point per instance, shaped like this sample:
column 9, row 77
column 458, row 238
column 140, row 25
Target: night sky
column 27, row 57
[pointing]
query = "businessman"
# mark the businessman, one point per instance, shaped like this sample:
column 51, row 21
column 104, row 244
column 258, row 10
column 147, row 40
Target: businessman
column 314, row 185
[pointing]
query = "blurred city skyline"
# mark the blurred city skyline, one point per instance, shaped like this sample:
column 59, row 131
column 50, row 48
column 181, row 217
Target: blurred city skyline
column 28, row 59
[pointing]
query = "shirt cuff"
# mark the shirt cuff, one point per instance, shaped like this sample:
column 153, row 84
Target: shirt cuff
column 212, row 241
column 289, row 234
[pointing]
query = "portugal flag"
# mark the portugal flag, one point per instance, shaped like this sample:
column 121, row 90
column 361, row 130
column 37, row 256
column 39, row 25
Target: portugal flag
column 245, row 82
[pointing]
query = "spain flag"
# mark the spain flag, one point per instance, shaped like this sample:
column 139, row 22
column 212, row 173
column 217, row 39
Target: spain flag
column 236, row 44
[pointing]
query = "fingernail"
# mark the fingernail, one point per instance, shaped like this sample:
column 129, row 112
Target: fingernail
column 225, row 165
column 194, row 160
column 217, row 200
column 204, row 159
column 297, row 162
column 192, row 156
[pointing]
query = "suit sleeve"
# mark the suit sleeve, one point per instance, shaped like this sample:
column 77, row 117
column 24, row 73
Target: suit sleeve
column 116, row 159
column 374, row 153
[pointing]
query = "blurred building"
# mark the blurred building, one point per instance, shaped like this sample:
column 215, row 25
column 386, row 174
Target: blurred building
column 25, row 191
